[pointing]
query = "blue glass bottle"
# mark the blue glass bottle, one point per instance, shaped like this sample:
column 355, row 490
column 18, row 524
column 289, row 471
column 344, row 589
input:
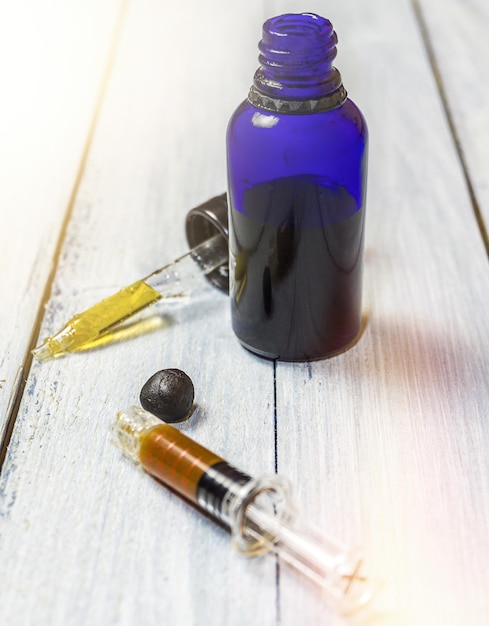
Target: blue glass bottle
column 297, row 160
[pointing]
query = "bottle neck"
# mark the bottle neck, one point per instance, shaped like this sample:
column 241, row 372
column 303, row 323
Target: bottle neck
column 296, row 73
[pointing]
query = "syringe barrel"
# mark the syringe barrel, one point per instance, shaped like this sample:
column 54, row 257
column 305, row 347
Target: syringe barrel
column 192, row 470
column 195, row 472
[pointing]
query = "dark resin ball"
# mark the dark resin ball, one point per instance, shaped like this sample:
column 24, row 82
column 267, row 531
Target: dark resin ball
column 168, row 394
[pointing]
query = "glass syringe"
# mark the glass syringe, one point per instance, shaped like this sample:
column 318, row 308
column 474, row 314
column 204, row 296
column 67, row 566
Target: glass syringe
column 257, row 511
column 173, row 280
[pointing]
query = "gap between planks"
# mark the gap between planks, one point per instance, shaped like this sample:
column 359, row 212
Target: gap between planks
column 430, row 53
column 23, row 371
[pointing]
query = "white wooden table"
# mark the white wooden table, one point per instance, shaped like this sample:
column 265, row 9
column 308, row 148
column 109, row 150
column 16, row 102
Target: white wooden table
column 112, row 124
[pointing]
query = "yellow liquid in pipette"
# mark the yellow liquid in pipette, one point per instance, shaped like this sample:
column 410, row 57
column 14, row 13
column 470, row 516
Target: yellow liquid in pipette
column 98, row 320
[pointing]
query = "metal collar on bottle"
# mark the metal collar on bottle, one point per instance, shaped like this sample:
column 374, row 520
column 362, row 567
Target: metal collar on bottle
column 294, row 107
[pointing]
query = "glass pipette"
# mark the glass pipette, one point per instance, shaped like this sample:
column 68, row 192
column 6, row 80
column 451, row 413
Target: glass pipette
column 173, row 280
column 257, row 511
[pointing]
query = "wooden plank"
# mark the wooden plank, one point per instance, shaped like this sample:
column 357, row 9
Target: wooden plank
column 385, row 443
column 98, row 542
column 52, row 61
column 456, row 33
column 389, row 441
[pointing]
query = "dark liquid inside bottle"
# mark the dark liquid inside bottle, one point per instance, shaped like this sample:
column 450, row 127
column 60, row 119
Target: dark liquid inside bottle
column 297, row 248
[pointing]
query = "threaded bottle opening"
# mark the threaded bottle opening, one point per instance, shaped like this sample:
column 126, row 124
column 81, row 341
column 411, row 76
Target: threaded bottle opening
column 297, row 32
column 296, row 58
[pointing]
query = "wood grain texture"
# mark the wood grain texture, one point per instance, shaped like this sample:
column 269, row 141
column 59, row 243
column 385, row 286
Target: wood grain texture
column 390, row 440
column 457, row 39
column 103, row 543
column 52, row 61
column 387, row 444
